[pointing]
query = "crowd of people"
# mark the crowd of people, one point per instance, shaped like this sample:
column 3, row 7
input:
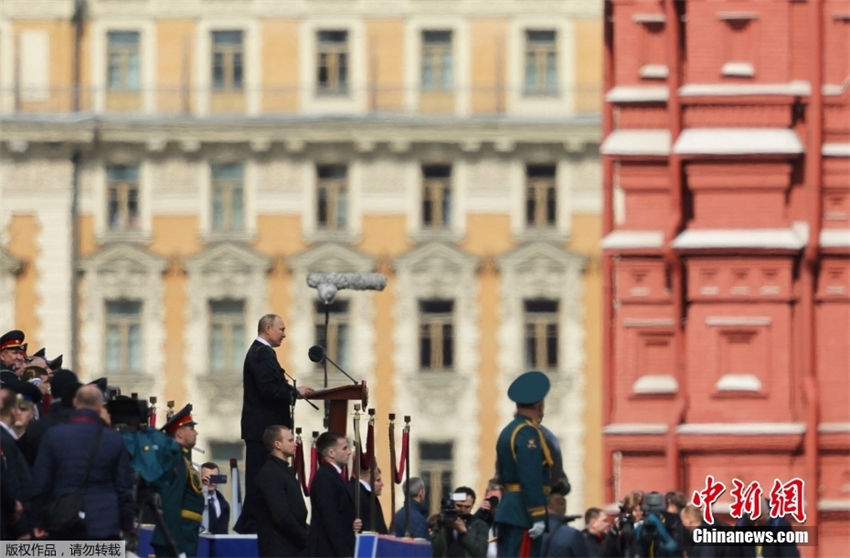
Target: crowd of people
column 60, row 449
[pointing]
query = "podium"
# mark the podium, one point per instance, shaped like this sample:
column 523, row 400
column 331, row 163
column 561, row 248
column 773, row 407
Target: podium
column 339, row 398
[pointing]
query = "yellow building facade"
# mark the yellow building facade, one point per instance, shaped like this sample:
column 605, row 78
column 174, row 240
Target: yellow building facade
column 170, row 171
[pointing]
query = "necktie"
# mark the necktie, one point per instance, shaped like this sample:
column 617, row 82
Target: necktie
column 211, row 507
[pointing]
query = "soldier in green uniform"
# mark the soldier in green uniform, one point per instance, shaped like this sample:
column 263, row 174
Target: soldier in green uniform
column 182, row 496
column 523, row 463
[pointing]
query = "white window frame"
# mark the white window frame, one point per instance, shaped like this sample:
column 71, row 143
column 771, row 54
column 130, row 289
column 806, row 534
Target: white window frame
column 562, row 103
column 312, row 102
column 251, row 62
column 100, row 183
column 98, row 56
column 414, row 26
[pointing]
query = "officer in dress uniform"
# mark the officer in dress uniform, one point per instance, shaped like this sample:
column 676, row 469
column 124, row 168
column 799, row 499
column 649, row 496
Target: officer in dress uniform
column 523, row 466
column 182, row 499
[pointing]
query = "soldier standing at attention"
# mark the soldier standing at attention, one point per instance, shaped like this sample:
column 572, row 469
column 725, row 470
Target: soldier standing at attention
column 183, row 499
column 523, row 463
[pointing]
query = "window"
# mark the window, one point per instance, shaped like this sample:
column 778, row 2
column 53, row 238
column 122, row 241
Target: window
column 123, row 197
column 540, row 199
column 227, row 60
column 437, row 60
column 435, row 469
column 436, row 335
column 332, row 64
column 332, row 202
column 541, row 334
column 436, row 195
column 541, row 63
column 227, row 335
column 227, row 197
column 123, row 336
column 336, row 342
column 123, row 60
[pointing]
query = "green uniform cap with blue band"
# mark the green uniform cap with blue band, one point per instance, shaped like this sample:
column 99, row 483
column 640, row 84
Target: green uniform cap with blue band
column 529, row 388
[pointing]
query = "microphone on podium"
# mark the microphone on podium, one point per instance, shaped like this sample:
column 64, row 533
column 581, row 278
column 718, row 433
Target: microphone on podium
column 317, row 353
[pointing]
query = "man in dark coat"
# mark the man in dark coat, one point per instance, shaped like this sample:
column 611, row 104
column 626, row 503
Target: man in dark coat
column 278, row 503
column 15, row 476
column 333, row 523
column 62, row 462
column 267, row 399
column 182, row 497
column 415, row 501
column 380, row 525
column 561, row 539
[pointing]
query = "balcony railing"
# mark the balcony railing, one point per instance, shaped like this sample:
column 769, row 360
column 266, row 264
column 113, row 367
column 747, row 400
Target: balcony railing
column 298, row 100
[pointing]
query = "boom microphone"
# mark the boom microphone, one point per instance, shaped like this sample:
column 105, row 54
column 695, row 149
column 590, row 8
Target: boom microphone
column 327, row 284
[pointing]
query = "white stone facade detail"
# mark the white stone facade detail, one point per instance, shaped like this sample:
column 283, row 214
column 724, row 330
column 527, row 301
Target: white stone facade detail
column 544, row 270
column 123, row 271
column 439, row 271
column 9, row 267
column 222, row 271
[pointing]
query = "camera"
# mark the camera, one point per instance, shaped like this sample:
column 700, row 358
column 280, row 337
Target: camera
column 653, row 503
column 218, row 479
column 448, row 511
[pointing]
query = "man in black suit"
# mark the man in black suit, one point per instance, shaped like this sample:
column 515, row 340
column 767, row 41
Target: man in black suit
column 16, row 479
column 217, row 508
column 278, row 503
column 380, row 525
column 267, row 399
column 333, row 523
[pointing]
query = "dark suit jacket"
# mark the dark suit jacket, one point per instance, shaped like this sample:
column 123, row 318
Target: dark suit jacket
column 331, row 532
column 15, row 482
column 266, row 397
column 278, row 506
column 380, row 526
column 61, row 465
column 219, row 524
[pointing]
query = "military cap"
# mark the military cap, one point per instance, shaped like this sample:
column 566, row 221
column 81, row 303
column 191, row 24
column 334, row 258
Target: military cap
column 25, row 390
column 101, row 384
column 183, row 417
column 60, row 381
column 54, row 364
column 529, row 388
column 12, row 340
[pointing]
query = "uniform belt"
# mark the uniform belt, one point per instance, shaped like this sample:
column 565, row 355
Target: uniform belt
column 515, row 487
column 189, row 514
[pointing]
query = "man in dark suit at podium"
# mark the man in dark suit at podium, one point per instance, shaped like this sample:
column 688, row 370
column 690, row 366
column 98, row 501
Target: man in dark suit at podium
column 267, row 399
column 218, row 510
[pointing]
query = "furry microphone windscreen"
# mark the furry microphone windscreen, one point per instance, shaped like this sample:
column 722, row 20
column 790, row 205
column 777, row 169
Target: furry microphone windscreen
column 327, row 284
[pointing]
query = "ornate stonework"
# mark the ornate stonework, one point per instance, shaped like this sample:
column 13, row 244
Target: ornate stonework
column 227, row 270
column 123, row 271
column 441, row 271
column 545, row 270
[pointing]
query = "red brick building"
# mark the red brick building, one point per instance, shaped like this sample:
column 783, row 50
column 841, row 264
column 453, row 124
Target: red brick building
column 726, row 161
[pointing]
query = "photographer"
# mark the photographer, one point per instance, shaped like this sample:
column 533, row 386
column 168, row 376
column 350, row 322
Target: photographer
column 652, row 535
column 456, row 532
column 621, row 537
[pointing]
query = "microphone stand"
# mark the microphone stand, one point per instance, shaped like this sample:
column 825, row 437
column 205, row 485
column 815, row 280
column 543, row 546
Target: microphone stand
column 327, row 419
